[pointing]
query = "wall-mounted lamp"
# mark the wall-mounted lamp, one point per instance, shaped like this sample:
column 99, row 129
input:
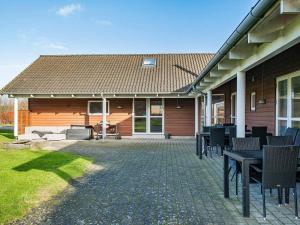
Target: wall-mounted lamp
column 178, row 106
column 119, row 107
column 262, row 101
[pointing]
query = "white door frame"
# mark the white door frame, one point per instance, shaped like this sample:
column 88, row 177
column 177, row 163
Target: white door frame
column 148, row 117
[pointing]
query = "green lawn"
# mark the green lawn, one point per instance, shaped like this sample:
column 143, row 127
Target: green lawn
column 6, row 136
column 28, row 177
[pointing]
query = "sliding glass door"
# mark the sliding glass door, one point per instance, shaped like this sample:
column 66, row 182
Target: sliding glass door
column 148, row 116
column 288, row 102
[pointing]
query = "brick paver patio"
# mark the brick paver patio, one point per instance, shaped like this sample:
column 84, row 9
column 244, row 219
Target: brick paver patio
column 152, row 182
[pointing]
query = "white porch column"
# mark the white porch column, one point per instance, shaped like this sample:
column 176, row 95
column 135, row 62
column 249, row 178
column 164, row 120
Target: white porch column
column 208, row 108
column 104, row 118
column 196, row 115
column 16, row 119
column 240, row 103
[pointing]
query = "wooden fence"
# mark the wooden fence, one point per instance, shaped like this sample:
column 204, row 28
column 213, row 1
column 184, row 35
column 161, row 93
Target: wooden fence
column 24, row 120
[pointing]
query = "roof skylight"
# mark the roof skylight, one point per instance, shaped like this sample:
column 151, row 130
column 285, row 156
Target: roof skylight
column 149, row 62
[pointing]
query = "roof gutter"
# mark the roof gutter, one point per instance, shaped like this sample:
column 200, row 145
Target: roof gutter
column 256, row 13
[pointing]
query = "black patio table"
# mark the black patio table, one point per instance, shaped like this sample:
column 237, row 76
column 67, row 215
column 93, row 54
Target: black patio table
column 200, row 136
column 246, row 158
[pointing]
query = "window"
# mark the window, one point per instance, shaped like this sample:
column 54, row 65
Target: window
column 288, row 102
column 253, row 101
column 233, row 108
column 140, row 116
column 156, row 113
column 218, row 112
column 149, row 62
column 148, row 116
column 95, row 107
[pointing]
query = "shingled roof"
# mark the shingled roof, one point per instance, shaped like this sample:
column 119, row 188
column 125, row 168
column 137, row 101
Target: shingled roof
column 119, row 74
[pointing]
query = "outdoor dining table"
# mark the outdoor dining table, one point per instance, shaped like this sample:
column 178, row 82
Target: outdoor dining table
column 246, row 158
column 200, row 137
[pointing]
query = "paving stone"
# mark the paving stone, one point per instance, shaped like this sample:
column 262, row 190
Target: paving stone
column 153, row 182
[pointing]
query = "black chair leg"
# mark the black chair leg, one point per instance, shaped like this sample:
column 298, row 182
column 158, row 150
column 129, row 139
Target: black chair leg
column 286, row 195
column 296, row 202
column 264, row 203
column 279, row 196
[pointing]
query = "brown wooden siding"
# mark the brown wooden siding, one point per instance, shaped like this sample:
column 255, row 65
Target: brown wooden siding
column 262, row 80
column 180, row 122
column 62, row 112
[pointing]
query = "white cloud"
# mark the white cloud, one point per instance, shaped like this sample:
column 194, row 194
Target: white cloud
column 50, row 45
column 103, row 22
column 69, row 9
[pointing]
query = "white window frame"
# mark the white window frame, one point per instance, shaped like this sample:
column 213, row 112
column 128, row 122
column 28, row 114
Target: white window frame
column 289, row 119
column 97, row 114
column 148, row 117
column 253, row 101
column 232, row 117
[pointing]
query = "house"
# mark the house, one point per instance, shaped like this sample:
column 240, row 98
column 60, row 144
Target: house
column 145, row 95
column 253, row 80
column 255, row 76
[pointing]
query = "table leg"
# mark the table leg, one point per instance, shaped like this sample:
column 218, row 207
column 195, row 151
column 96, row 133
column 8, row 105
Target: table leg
column 246, row 193
column 200, row 146
column 226, row 176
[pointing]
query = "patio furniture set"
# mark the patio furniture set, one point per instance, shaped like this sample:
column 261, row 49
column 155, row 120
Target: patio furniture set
column 271, row 161
column 73, row 132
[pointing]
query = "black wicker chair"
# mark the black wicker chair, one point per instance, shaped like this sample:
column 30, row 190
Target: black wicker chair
column 228, row 124
column 216, row 139
column 278, row 171
column 291, row 132
column 249, row 143
column 262, row 133
column 297, row 139
column 241, row 144
column 232, row 134
column 280, row 140
column 206, row 128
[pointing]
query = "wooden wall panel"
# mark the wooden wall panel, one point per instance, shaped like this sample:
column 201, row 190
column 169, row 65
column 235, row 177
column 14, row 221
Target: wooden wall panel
column 180, row 122
column 262, row 80
column 62, row 112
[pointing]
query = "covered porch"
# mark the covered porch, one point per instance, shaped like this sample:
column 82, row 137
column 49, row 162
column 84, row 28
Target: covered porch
column 135, row 116
column 254, row 79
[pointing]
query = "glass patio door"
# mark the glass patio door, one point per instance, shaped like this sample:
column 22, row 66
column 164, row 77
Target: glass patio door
column 148, row 116
column 288, row 102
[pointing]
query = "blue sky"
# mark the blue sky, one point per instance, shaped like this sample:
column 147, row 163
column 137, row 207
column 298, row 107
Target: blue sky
column 32, row 28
